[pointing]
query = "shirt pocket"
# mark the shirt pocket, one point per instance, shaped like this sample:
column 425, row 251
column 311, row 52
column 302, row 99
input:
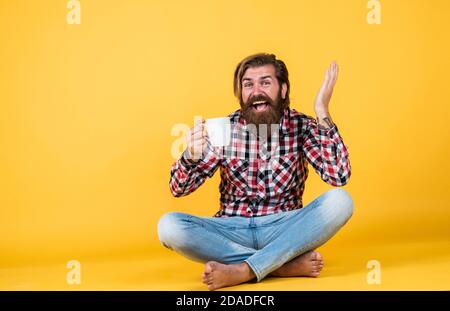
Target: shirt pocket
column 284, row 173
column 235, row 175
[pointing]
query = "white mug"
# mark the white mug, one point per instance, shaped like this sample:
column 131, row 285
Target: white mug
column 219, row 131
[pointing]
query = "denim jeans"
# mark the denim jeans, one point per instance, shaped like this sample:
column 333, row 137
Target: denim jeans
column 265, row 243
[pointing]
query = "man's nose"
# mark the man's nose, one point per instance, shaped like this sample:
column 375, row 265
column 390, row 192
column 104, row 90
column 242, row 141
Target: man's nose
column 257, row 90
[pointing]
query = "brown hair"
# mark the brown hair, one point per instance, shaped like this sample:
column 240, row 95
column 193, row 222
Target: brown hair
column 257, row 60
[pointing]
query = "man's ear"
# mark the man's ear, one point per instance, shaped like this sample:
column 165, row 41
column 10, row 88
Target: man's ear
column 283, row 90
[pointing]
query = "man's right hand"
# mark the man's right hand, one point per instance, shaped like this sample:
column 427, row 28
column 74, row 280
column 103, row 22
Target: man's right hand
column 197, row 139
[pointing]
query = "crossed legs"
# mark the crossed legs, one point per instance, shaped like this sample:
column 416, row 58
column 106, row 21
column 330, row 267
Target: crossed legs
column 290, row 253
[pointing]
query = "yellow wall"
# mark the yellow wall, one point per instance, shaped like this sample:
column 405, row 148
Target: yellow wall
column 87, row 111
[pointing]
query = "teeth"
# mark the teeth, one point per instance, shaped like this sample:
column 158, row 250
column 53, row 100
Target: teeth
column 259, row 102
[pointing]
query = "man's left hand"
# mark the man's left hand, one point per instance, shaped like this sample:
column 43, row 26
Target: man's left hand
column 326, row 90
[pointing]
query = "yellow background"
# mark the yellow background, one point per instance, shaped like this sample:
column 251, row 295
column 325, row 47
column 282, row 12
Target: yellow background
column 87, row 111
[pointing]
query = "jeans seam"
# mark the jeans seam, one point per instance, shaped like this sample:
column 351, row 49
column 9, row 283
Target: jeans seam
column 215, row 225
column 275, row 224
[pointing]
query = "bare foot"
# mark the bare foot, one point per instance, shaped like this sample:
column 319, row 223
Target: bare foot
column 219, row 275
column 308, row 264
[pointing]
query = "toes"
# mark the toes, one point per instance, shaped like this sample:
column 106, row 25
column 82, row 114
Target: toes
column 316, row 264
column 315, row 274
column 206, row 277
column 315, row 271
column 207, row 281
column 208, row 268
column 316, row 256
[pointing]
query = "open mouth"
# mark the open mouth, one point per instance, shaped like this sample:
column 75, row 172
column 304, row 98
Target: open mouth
column 260, row 106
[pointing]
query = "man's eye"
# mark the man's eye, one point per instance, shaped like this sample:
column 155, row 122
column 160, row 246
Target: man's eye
column 266, row 83
column 247, row 85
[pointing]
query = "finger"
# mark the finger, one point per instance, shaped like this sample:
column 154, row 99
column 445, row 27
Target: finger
column 332, row 69
column 206, row 138
column 327, row 76
column 197, row 133
column 198, row 128
column 330, row 77
column 335, row 75
column 204, row 131
column 199, row 121
column 198, row 143
column 337, row 72
column 192, row 141
column 335, row 66
column 332, row 81
column 190, row 137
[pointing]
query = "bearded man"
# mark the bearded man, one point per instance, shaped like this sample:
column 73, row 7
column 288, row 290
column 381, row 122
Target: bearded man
column 262, row 228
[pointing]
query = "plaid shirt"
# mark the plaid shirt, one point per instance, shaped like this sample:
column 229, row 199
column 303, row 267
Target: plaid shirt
column 265, row 176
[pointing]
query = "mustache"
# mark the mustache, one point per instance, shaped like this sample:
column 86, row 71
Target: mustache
column 257, row 98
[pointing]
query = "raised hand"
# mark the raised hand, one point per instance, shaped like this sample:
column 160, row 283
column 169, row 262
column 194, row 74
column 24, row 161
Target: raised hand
column 324, row 95
column 326, row 90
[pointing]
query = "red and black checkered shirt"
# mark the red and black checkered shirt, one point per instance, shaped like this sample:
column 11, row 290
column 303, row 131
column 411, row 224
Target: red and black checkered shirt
column 265, row 176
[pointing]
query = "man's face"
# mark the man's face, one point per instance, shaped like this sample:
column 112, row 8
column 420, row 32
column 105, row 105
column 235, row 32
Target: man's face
column 261, row 96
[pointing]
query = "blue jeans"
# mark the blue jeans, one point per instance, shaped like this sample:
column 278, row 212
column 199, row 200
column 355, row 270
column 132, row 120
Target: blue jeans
column 265, row 243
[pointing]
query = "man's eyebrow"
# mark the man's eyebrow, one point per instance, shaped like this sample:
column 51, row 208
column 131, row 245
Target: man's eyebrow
column 265, row 77
column 261, row 78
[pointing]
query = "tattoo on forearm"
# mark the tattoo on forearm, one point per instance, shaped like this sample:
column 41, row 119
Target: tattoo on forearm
column 328, row 122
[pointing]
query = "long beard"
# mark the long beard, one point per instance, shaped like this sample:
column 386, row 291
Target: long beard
column 266, row 120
